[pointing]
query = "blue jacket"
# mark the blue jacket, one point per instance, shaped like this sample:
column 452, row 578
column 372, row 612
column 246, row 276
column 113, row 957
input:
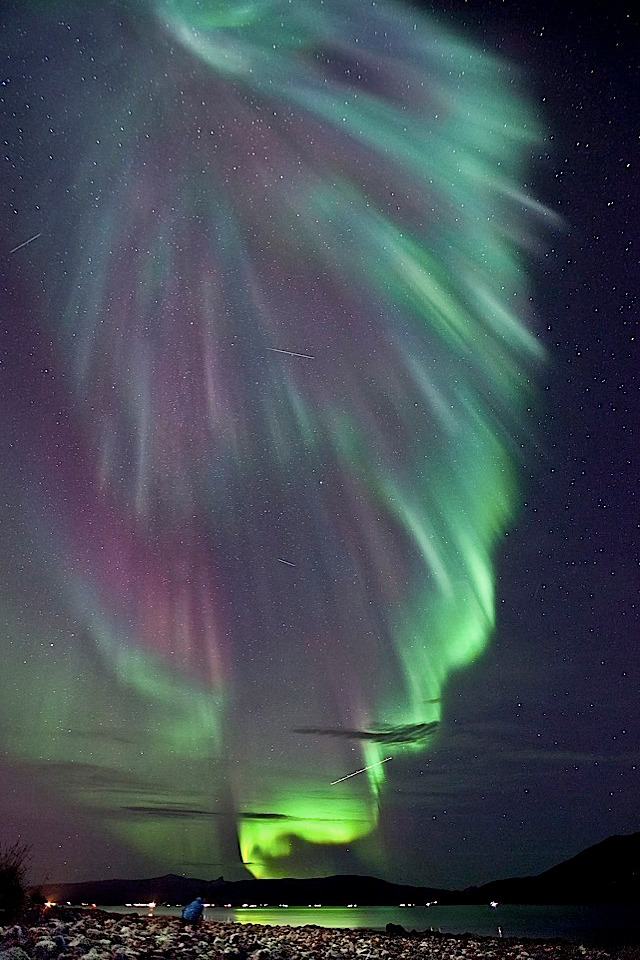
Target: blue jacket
column 193, row 910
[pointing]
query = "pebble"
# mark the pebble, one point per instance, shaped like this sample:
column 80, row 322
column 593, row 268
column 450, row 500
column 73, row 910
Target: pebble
column 95, row 935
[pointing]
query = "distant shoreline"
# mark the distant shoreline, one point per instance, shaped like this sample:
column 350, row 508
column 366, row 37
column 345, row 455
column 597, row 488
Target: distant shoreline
column 579, row 924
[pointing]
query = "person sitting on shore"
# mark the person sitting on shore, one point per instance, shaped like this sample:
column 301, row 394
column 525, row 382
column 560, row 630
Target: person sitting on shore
column 193, row 912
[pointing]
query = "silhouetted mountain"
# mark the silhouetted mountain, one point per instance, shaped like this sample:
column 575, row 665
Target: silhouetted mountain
column 605, row 873
column 608, row 872
column 335, row 891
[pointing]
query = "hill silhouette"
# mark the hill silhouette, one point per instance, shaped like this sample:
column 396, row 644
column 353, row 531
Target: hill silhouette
column 607, row 872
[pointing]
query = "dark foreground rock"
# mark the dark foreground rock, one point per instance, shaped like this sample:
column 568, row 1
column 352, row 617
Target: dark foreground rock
column 95, row 935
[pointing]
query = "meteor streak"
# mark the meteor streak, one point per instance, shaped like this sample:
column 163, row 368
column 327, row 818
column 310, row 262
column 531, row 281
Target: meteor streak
column 25, row 242
column 289, row 353
column 356, row 772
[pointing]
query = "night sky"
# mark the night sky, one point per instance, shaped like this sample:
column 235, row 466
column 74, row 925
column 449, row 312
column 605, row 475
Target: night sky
column 318, row 386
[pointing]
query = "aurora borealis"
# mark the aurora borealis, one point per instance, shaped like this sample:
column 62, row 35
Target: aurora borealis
column 268, row 412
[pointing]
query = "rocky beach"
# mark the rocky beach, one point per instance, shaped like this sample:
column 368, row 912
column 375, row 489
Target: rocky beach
column 96, row 935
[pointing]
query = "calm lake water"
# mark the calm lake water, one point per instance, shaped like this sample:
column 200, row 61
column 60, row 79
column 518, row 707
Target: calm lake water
column 577, row 923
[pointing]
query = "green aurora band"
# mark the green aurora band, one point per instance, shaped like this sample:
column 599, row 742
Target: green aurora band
column 295, row 329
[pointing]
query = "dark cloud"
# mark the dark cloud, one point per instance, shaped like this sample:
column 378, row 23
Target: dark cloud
column 407, row 733
column 171, row 811
column 267, row 816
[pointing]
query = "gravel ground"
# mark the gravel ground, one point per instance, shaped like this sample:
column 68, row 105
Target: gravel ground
column 95, row 935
